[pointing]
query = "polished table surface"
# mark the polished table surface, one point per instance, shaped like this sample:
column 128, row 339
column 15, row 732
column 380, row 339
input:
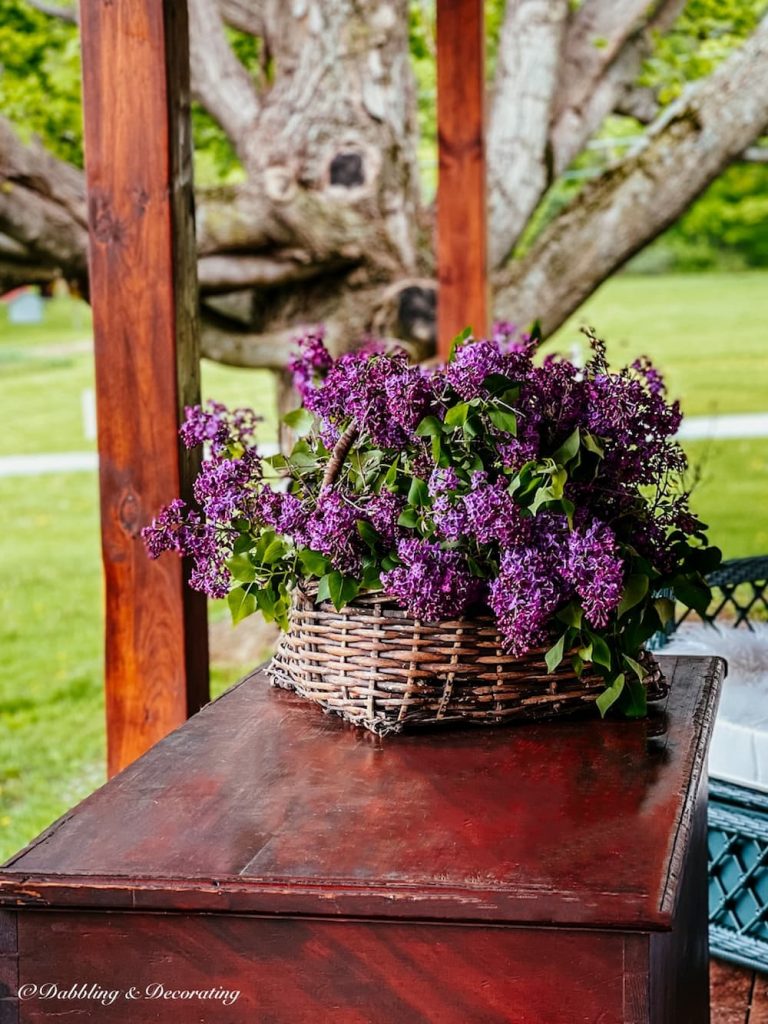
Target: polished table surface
column 261, row 803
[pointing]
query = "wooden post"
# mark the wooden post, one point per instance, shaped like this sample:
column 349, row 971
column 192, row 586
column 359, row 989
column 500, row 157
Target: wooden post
column 143, row 293
column 462, row 260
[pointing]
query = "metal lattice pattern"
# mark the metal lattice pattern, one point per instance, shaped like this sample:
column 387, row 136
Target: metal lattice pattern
column 738, row 874
column 740, row 591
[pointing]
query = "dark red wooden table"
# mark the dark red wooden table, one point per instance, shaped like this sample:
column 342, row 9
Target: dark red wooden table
column 546, row 874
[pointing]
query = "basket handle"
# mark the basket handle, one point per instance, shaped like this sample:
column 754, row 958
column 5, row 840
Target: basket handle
column 339, row 453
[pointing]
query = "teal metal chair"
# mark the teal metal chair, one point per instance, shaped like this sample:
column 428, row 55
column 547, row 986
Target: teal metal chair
column 738, row 817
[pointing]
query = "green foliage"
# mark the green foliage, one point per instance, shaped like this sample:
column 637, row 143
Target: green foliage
column 40, row 78
column 704, row 34
column 728, row 223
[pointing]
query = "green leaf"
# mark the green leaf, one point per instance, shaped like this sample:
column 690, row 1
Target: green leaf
column 457, row 415
column 571, row 615
column 324, row 589
column 591, row 443
column 313, row 562
column 409, row 517
column 368, row 533
column 262, row 544
column 601, row 652
column 637, row 707
column 418, row 493
column 342, row 589
column 241, row 603
column 242, row 568
column 535, row 333
column 499, row 385
column 635, row 590
column 503, row 420
column 636, row 667
column 391, row 475
column 554, row 655
column 472, row 427
column 610, row 695
column 665, row 609
column 568, row 449
column 274, row 552
column 300, row 421
column 458, row 341
column 267, row 600
column 693, row 593
column 430, row 426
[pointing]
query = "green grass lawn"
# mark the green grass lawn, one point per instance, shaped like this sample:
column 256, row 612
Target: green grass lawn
column 708, row 332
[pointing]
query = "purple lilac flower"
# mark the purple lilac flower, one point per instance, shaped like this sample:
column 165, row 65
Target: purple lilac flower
column 493, row 515
column 409, row 397
column 472, row 363
column 224, row 488
column 311, row 363
column 432, row 584
column 281, row 510
column 168, row 530
column 442, row 480
column 450, row 517
column 332, row 530
column 654, row 380
column 180, row 529
column 218, row 426
column 524, row 596
column 596, row 570
column 383, row 394
column 384, row 510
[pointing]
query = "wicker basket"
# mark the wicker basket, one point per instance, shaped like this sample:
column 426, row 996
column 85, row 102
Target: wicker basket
column 376, row 667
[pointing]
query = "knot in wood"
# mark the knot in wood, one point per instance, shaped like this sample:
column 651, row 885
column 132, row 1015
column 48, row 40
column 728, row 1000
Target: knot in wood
column 129, row 514
column 347, row 170
column 105, row 226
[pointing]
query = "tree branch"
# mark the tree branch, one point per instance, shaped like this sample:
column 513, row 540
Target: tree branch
column 606, row 44
column 231, row 272
column 219, row 81
column 68, row 14
column 526, row 77
column 42, row 204
column 626, row 208
column 244, row 15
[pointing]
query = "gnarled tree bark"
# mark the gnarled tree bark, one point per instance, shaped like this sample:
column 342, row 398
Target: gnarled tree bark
column 329, row 224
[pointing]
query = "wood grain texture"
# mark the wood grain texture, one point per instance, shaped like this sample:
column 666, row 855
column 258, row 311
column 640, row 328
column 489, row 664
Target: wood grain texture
column 9, row 968
column 143, row 293
column 311, row 972
column 731, row 990
column 262, row 803
column 680, row 958
column 462, row 235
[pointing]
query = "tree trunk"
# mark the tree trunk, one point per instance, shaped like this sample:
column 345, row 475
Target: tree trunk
column 328, row 224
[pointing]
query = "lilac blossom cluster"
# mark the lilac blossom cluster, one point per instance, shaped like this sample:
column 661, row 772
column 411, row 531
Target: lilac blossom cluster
column 497, row 483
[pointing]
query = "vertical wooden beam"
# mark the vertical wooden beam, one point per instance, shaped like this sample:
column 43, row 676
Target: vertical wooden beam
column 144, row 297
column 462, row 247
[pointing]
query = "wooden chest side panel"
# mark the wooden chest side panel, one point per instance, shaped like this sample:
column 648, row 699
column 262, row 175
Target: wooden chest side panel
column 350, row 972
column 680, row 958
